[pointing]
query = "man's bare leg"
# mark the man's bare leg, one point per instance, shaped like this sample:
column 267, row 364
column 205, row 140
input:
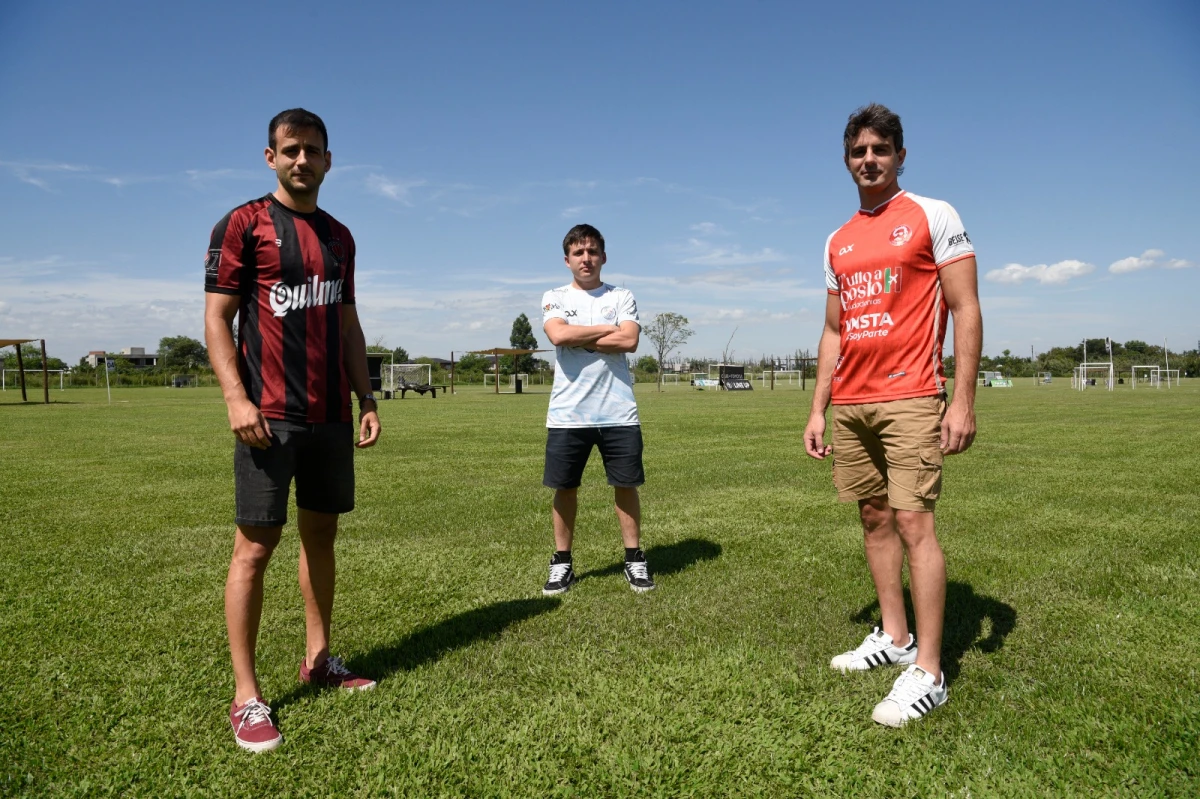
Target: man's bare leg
column 629, row 515
column 317, row 533
column 252, row 548
column 885, row 557
column 927, row 573
column 566, row 505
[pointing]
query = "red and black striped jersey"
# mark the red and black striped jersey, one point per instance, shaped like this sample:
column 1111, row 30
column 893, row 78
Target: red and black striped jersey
column 293, row 271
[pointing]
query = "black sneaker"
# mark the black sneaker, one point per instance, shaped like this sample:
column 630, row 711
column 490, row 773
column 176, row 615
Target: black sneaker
column 562, row 577
column 637, row 572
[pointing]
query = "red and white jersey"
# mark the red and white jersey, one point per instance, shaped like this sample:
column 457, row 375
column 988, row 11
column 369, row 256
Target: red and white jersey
column 883, row 264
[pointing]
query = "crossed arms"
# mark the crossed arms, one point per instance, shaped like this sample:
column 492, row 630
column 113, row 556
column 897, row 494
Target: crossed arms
column 611, row 339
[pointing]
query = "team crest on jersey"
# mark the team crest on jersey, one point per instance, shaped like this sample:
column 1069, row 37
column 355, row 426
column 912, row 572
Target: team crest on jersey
column 609, row 313
column 900, row 236
column 337, row 251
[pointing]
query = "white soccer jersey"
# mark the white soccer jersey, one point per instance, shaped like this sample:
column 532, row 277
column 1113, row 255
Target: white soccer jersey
column 591, row 389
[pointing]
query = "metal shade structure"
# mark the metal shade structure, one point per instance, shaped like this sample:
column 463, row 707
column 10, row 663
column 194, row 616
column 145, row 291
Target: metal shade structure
column 16, row 343
column 497, row 352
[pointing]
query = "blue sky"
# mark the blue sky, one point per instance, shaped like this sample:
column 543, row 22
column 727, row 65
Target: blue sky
column 703, row 139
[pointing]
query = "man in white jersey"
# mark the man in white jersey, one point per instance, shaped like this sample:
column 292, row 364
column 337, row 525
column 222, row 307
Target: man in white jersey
column 592, row 325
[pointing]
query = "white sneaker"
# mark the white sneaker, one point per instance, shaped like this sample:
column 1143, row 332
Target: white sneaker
column 876, row 650
column 912, row 696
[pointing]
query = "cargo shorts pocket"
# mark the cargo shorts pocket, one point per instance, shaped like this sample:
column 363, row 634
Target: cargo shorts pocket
column 929, row 473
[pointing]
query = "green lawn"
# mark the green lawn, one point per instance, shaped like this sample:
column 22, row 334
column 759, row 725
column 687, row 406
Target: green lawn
column 1072, row 532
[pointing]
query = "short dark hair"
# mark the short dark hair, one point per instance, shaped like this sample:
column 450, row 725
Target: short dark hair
column 878, row 118
column 296, row 119
column 581, row 233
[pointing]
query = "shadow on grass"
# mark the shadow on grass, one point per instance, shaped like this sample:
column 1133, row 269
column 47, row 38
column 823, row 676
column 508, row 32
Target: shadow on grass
column 434, row 641
column 667, row 559
column 965, row 614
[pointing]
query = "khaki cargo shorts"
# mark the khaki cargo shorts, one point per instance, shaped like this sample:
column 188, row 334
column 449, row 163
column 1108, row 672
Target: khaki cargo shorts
column 891, row 448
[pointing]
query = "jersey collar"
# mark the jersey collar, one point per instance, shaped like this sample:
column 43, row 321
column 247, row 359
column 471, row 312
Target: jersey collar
column 879, row 208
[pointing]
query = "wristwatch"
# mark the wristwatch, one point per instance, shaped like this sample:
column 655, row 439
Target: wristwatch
column 367, row 396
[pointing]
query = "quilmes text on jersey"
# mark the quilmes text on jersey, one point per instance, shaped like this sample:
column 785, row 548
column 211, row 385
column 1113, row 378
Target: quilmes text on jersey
column 309, row 294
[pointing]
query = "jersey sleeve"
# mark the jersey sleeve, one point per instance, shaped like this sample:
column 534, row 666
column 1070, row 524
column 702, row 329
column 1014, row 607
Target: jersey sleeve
column 627, row 309
column 950, row 240
column 831, row 280
column 227, row 254
column 552, row 307
column 348, row 285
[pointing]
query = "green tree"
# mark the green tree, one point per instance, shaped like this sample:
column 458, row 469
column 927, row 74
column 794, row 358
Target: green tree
column 400, row 355
column 181, row 352
column 667, row 331
column 647, row 364
column 521, row 338
column 471, row 367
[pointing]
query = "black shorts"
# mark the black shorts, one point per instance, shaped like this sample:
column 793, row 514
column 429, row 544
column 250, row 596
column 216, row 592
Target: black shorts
column 319, row 456
column 568, row 448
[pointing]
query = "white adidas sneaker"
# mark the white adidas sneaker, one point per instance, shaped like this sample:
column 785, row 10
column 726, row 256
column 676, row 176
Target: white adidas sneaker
column 914, row 694
column 877, row 649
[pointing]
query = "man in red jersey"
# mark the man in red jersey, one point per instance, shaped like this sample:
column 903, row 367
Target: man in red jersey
column 285, row 269
column 894, row 272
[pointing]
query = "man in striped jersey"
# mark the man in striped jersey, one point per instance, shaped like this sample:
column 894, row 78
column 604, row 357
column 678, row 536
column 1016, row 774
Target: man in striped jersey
column 894, row 273
column 285, row 270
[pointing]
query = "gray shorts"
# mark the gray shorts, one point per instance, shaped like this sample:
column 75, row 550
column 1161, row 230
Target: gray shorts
column 319, row 456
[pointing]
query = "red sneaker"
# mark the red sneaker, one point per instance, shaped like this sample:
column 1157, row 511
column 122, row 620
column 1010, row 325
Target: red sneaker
column 334, row 674
column 252, row 726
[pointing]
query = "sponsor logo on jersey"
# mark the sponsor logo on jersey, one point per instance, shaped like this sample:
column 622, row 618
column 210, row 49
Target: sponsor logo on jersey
column 571, row 314
column 869, row 283
column 846, row 249
column 900, row 236
column 894, row 375
column 868, row 325
column 551, row 306
column 958, row 238
column 309, row 294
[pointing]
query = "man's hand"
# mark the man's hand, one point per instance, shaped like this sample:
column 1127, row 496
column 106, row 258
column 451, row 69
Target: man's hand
column 249, row 425
column 814, row 437
column 958, row 428
column 368, row 427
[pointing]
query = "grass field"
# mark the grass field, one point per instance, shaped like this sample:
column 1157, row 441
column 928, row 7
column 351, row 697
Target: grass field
column 1072, row 533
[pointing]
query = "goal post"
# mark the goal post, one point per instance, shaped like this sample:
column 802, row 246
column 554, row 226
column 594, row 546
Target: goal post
column 1152, row 375
column 401, row 375
column 789, row 376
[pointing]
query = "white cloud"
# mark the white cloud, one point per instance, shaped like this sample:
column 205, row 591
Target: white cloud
column 704, row 254
column 708, row 229
column 1136, row 263
column 1177, row 263
column 1054, row 274
column 392, row 189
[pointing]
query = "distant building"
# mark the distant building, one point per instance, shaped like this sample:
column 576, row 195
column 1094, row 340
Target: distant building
column 135, row 355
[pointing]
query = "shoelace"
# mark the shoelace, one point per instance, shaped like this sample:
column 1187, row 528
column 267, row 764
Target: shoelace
column 253, row 713
column 871, row 644
column 558, row 571
column 334, row 666
column 638, row 568
column 907, row 690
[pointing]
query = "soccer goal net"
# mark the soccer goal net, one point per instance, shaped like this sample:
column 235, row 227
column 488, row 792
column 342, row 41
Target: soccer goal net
column 670, row 378
column 1151, row 374
column 1044, row 378
column 1093, row 375
column 489, row 379
column 399, row 375
column 782, row 377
